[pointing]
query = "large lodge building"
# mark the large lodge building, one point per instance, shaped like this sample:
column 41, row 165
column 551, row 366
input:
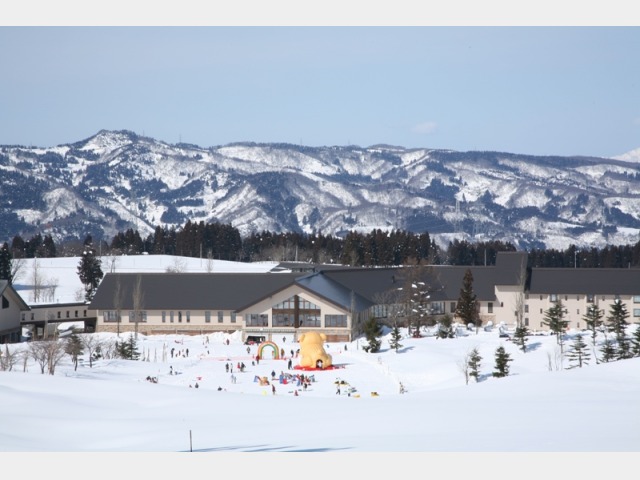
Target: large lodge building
column 330, row 299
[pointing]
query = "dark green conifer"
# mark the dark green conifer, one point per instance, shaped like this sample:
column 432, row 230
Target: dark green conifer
column 502, row 362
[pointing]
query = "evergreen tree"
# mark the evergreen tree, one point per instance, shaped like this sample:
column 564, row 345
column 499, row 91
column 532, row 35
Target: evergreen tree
column 128, row 349
column 593, row 319
column 90, row 272
column 502, row 362
column 467, row 305
column 5, row 263
column 372, row 332
column 554, row 318
column 635, row 342
column 578, row 355
column 394, row 343
column 617, row 323
column 520, row 337
column 74, row 347
column 608, row 351
column 445, row 327
column 474, row 364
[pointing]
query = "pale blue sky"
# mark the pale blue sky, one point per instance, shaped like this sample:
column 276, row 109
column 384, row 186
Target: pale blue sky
column 530, row 90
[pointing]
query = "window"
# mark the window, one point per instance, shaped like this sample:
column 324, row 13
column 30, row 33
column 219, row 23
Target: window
column 171, row 316
column 67, row 313
column 335, row 321
column 578, row 298
column 578, row 311
column 636, row 299
column 257, row 320
column 207, row 316
column 110, row 316
column 295, row 308
column 32, row 315
column 452, row 307
column 23, row 317
column 526, row 321
column 310, row 320
column 220, row 316
column 142, row 316
column 233, row 317
column 179, row 316
column 84, row 313
column 5, row 303
column 553, row 297
column 526, row 309
column 59, row 315
column 566, row 298
column 164, row 317
column 282, row 320
column 188, row 312
column 589, row 298
column 380, row 311
column 490, row 307
column 437, row 308
column 636, row 312
column 76, row 312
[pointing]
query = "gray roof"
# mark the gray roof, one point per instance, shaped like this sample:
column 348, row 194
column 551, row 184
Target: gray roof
column 238, row 291
column 602, row 281
column 5, row 286
column 191, row 291
column 445, row 281
column 337, row 293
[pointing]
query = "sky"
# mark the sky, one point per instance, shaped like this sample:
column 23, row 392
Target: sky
column 536, row 88
column 581, row 422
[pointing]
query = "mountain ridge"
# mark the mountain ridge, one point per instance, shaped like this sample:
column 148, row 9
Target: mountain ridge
column 115, row 180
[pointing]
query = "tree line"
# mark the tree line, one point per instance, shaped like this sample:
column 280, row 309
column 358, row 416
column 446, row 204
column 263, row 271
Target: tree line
column 376, row 248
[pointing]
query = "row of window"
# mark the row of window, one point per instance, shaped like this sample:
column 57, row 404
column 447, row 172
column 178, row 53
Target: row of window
column 554, row 297
column 284, row 320
column 171, row 315
column 76, row 314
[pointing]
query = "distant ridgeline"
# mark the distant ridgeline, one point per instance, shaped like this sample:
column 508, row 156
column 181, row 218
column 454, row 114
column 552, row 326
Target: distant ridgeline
column 118, row 180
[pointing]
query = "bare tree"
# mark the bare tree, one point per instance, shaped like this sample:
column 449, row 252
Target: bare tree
column 178, row 266
column 111, row 262
column 92, row 345
column 8, row 359
column 463, row 365
column 418, row 284
column 210, row 263
column 519, row 295
column 38, row 351
column 78, row 295
column 118, row 295
column 51, row 285
column 36, row 280
column 17, row 266
column 390, row 301
column 138, row 303
column 55, row 353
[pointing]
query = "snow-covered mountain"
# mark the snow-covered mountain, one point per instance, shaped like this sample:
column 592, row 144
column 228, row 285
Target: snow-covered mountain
column 117, row 180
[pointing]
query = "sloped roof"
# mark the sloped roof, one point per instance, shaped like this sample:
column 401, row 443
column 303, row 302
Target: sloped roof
column 602, row 281
column 190, row 291
column 363, row 287
column 333, row 291
column 7, row 289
